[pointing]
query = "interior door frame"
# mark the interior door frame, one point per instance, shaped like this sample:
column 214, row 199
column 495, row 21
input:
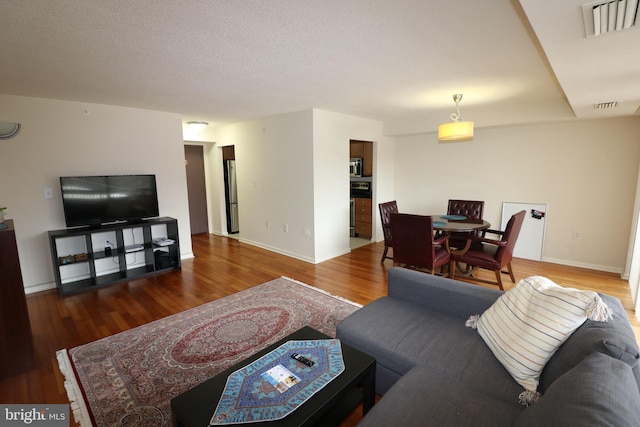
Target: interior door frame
column 205, row 175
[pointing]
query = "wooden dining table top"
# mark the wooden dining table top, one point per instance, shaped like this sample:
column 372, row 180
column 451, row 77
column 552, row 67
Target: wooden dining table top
column 458, row 223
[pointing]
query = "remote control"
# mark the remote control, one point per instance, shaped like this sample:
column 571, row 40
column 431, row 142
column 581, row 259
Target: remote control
column 303, row 359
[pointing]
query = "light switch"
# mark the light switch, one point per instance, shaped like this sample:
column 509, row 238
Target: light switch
column 48, row 193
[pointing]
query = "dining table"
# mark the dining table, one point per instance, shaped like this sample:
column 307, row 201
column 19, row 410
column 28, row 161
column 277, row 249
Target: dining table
column 459, row 224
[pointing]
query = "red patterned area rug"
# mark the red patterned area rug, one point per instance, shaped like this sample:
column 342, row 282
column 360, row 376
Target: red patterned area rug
column 128, row 379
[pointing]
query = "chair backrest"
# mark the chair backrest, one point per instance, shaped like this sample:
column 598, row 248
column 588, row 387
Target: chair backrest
column 510, row 235
column 386, row 210
column 469, row 208
column 413, row 240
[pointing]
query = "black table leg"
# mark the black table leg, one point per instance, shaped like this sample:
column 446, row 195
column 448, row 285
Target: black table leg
column 369, row 390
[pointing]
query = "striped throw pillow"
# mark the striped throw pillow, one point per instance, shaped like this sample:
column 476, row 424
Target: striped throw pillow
column 527, row 324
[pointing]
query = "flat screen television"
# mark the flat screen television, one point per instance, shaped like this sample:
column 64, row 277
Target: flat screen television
column 95, row 200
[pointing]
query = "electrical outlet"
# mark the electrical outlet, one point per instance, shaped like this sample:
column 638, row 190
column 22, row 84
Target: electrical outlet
column 307, row 232
column 577, row 235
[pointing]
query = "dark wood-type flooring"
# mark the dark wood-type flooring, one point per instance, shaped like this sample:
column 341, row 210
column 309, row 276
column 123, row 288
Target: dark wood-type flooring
column 223, row 266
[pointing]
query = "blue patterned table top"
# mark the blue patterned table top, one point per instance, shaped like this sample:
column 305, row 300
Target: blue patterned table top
column 454, row 217
column 249, row 397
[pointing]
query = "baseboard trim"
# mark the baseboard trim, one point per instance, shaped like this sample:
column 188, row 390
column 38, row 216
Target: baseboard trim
column 277, row 250
column 606, row 268
column 39, row 288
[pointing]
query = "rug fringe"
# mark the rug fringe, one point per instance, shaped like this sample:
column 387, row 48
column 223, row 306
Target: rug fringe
column 74, row 392
column 355, row 304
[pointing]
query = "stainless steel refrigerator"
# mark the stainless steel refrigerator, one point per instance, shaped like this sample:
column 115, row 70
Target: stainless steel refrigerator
column 231, row 194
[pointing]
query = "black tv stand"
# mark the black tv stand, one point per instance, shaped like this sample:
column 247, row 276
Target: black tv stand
column 90, row 257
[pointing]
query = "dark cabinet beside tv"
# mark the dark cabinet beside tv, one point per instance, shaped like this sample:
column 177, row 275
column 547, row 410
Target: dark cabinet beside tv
column 91, row 257
column 16, row 345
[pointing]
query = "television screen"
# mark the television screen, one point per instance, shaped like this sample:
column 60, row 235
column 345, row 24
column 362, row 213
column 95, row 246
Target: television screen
column 95, row 200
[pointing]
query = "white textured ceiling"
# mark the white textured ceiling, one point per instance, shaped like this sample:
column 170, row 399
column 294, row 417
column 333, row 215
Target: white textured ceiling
column 398, row 61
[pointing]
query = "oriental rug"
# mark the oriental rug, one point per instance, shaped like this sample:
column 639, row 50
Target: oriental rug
column 128, row 379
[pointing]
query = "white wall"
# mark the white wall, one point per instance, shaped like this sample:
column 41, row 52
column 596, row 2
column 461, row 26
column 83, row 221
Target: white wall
column 585, row 171
column 274, row 170
column 385, row 170
column 293, row 169
column 72, row 138
column 331, row 135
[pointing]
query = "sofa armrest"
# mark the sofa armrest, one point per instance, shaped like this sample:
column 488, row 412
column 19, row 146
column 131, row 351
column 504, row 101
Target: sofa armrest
column 448, row 296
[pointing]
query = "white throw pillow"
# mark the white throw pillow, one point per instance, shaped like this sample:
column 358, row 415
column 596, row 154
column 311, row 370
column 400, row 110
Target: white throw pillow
column 527, row 324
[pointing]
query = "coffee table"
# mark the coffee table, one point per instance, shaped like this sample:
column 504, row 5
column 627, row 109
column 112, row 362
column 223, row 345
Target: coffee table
column 329, row 406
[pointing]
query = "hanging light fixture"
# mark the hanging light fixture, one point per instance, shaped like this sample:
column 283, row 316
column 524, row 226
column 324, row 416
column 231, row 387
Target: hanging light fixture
column 458, row 129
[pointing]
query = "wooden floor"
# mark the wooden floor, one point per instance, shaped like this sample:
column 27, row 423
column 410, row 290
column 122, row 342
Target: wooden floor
column 222, row 267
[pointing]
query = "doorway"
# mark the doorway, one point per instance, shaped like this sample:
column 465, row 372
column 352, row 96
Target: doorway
column 196, row 188
column 230, row 189
column 361, row 176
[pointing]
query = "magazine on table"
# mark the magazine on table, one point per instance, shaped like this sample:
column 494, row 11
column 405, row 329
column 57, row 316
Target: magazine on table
column 281, row 378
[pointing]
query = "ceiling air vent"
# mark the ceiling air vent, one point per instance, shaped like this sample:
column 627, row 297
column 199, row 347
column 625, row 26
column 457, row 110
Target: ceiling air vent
column 609, row 16
column 605, row 105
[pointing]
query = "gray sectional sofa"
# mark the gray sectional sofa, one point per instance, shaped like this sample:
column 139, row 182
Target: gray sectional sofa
column 432, row 370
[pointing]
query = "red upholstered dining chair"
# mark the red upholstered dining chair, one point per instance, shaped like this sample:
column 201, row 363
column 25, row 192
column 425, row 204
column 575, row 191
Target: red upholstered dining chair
column 386, row 210
column 469, row 208
column 493, row 254
column 414, row 245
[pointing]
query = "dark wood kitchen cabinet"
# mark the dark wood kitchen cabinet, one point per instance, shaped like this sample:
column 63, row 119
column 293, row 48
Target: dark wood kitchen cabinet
column 363, row 218
column 16, row 346
column 364, row 150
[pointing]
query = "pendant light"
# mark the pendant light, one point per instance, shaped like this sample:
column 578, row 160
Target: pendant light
column 458, row 129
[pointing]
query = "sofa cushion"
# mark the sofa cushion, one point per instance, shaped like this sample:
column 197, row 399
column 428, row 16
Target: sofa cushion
column 614, row 338
column 401, row 335
column 440, row 293
column 600, row 391
column 424, row 397
column 527, row 324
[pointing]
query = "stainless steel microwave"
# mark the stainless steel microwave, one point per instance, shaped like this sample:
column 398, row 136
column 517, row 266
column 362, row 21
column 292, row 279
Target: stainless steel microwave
column 355, row 166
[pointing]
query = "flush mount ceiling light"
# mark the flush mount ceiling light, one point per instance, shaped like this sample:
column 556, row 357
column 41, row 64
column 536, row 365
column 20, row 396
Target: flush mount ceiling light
column 9, row 130
column 609, row 16
column 458, row 129
column 197, row 126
